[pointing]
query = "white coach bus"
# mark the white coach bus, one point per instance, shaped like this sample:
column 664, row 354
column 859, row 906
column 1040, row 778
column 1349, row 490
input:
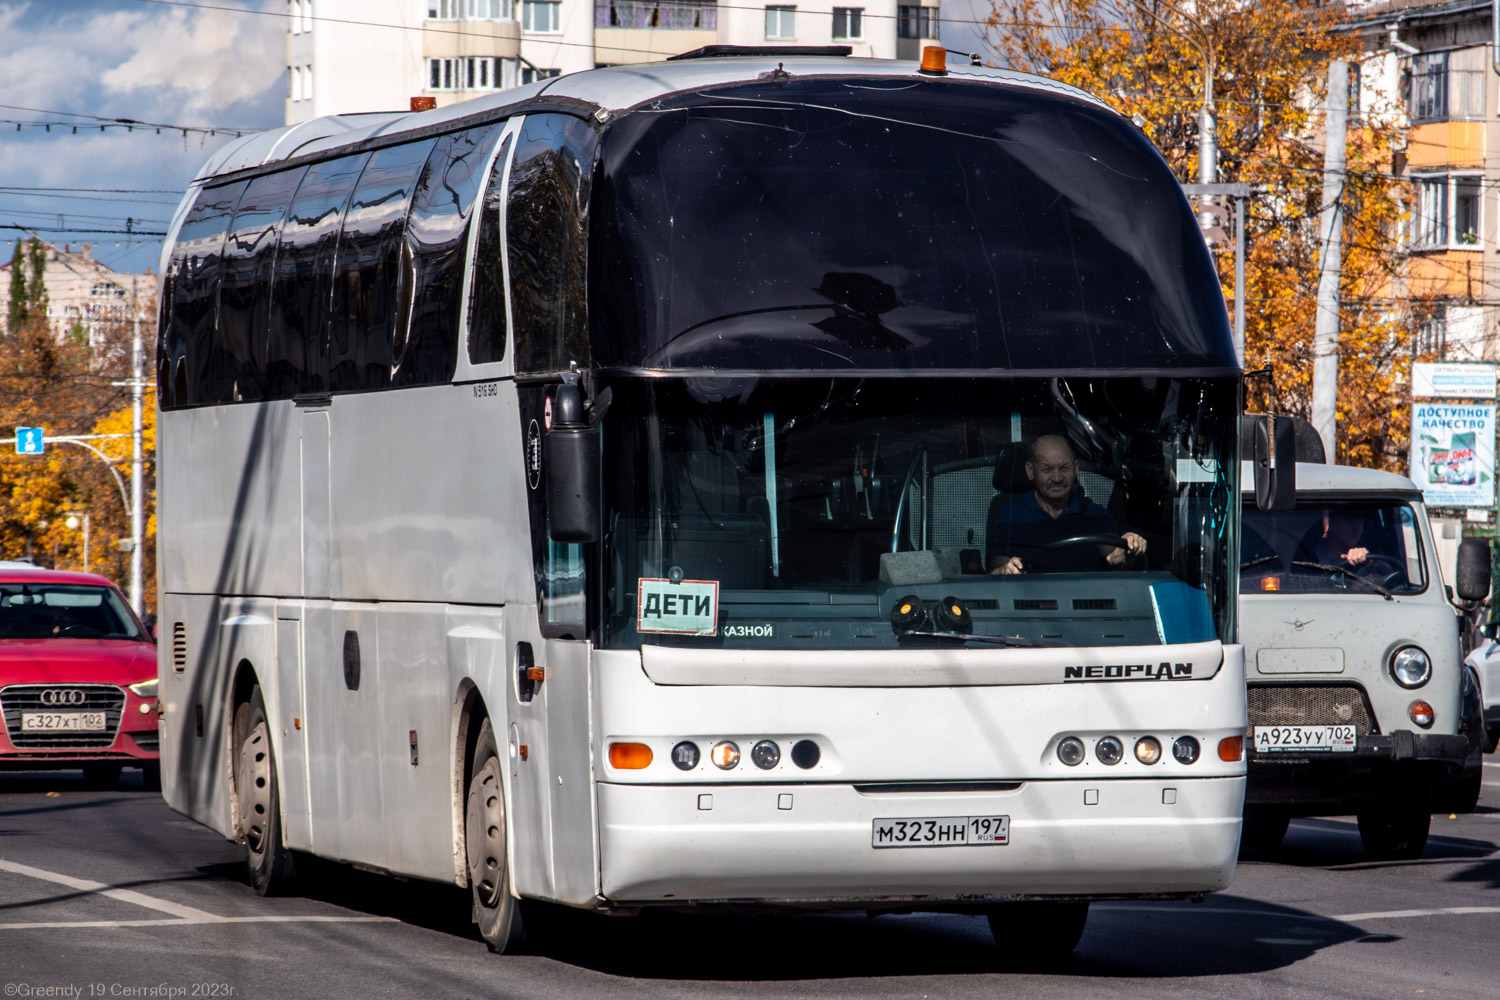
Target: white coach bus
column 589, row 494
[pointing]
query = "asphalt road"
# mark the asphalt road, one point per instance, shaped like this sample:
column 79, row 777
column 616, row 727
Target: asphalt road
column 110, row 894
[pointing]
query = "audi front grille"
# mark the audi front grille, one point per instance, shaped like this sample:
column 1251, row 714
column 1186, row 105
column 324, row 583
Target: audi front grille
column 18, row 698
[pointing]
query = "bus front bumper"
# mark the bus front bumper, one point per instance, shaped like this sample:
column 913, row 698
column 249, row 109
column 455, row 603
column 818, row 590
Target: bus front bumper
column 813, row 843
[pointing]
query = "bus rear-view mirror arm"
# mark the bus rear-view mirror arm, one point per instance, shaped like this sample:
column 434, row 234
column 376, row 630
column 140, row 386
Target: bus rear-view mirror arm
column 571, row 460
column 1275, row 464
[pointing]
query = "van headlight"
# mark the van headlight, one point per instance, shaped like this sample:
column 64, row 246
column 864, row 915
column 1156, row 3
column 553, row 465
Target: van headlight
column 1411, row 667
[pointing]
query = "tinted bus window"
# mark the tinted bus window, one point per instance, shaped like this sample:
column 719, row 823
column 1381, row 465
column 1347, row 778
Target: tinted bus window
column 297, row 357
column 488, row 304
column 297, row 354
column 186, row 344
column 545, row 229
column 372, row 283
column 437, row 234
column 237, row 365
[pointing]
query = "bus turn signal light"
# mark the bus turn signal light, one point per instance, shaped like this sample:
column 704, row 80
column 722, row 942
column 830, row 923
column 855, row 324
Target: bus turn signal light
column 629, row 756
column 1232, row 748
column 1270, row 583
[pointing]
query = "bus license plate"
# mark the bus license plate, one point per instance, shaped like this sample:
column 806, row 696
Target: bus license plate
column 941, row 831
column 1279, row 739
column 55, row 721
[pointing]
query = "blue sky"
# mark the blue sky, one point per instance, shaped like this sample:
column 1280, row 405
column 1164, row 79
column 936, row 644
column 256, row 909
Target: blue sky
column 165, row 63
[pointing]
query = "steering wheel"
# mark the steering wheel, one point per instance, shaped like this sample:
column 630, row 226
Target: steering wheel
column 1393, row 568
column 1114, row 541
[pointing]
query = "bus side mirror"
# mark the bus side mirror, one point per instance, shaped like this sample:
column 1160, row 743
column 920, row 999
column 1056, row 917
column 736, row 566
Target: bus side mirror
column 1473, row 576
column 1275, row 464
column 571, row 459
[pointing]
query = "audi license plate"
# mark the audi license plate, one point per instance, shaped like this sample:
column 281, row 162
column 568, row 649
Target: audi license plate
column 57, row 721
column 1279, row 739
column 942, row 831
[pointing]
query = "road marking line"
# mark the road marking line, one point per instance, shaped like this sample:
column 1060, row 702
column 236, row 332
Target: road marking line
column 123, row 895
column 1397, row 914
column 65, row 924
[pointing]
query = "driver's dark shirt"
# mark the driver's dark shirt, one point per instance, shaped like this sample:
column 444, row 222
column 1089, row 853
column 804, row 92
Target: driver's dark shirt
column 1021, row 527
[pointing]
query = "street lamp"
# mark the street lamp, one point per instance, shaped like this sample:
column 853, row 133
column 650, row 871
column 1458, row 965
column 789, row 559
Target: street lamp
column 72, row 522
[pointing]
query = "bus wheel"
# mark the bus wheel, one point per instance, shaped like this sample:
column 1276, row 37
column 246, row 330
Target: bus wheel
column 1265, row 826
column 496, row 911
column 271, row 869
column 1395, row 828
column 1027, row 931
column 151, row 777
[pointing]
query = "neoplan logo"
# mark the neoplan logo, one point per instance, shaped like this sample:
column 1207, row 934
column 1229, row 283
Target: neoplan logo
column 1128, row 672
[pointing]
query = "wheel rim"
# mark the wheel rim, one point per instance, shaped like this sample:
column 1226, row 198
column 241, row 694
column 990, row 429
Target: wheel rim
column 255, row 787
column 485, row 834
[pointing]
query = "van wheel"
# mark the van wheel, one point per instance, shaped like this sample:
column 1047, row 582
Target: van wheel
column 1265, row 826
column 1395, row 828
column 272, row 872
column 496, row 911
column 1037, row 930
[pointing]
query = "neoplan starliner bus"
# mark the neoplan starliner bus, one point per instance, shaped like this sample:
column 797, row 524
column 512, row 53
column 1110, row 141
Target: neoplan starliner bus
column 587, row 494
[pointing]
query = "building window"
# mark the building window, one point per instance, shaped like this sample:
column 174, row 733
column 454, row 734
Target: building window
column 781, row 22
column 466, row 73
column 542, row 16
column 1432, row 329
column 916, row 22
column 307, row 15
column 1446, row 85
column 531, row 74
column 299, row 83
column 663, row 14
column 468, row 10
column 848, row 23
column 1449, row 211
column 301, row 15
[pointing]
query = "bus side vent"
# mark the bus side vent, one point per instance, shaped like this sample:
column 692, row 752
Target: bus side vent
column 179, row 647
column 984, row 604
column 1027, row 604
column 1093, row 604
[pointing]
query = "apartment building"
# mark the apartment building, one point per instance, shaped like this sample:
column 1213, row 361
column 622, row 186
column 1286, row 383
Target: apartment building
column 84, row 295
column 346, row 56
column 1436, row 57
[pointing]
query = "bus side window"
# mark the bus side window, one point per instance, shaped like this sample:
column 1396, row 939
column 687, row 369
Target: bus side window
column 372, row 286
column 237, row 364
column 488, row 306
column 546, row 222
column 296, row 350
column 437, row 237
column 194, row 280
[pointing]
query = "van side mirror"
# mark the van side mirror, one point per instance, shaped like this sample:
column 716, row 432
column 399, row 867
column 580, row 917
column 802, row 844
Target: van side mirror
column 571, row 459
column 1489, row 631
column 1473, row 576
column 1275, row 464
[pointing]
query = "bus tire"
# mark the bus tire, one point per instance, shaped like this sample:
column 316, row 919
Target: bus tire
column 1395, row 828
column 151, row 777
column 1037, row 930
column 496, row 911
column 1264, row 826
column 270, row 865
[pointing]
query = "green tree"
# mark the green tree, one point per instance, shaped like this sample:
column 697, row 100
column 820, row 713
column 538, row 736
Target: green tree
column 15, row 313
column 28, row 285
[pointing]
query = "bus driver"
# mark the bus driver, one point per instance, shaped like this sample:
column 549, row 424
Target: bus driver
column 1053, row 511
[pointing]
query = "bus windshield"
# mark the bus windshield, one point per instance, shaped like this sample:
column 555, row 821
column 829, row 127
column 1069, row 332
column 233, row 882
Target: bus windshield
column 805, row 512
column 1368, row 548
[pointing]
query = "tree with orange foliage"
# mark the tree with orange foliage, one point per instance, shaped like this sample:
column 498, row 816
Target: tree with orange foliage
column 1268, row 63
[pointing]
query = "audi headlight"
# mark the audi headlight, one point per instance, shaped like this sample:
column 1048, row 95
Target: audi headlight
column 1411, row 667
column 144, row 689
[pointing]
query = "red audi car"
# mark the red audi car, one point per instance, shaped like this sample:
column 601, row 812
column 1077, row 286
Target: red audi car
column 77, row 677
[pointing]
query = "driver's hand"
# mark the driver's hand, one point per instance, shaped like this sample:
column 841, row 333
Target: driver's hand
column 1135, row 546
column 1010, row 567
column 1355, row 557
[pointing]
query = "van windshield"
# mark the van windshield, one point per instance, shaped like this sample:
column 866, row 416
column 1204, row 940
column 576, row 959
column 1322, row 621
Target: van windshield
column 1332, row 548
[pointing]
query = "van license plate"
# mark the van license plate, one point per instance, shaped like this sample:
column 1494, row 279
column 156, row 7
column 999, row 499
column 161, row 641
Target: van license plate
column 1281, row 739
column 942, row 831
column 34, row 722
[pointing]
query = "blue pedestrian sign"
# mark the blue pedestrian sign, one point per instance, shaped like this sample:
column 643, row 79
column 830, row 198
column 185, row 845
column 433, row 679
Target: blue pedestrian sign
column 30, row 440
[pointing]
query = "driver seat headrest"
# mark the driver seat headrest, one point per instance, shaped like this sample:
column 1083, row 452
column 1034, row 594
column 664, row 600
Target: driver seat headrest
column 1010, row 468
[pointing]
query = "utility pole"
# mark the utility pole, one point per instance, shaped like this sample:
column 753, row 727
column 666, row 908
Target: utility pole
column 1331, row 262
column 137, row 518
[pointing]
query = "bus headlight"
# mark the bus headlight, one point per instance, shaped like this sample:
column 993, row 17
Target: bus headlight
column 1148, row 750
column 725, row 755
column 765, row 754
column 1411, row 667
column 685, row 755
column 1070, row 751
column 1109, row 750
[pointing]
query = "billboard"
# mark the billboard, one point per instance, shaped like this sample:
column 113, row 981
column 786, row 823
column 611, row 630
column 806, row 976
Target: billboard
column 1453, row 453
column 1452, row 380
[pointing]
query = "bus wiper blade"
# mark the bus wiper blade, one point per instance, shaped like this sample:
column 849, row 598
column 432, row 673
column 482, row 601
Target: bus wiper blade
column 1344, row 571
column 1257, row 562
column 1010, row 641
